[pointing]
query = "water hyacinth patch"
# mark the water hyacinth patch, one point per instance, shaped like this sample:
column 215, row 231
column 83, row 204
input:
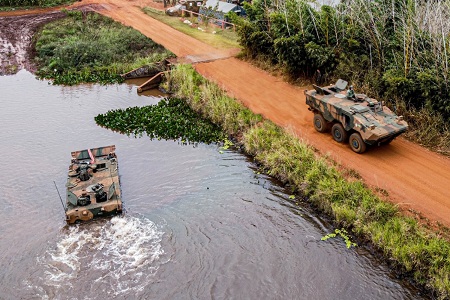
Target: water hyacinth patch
column 171, row 119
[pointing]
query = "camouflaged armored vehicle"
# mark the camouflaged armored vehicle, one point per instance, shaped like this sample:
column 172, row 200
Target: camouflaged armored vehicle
column 93, row 187
column 354, row 117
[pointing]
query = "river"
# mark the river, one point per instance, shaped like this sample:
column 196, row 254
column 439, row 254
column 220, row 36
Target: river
column 200, row 223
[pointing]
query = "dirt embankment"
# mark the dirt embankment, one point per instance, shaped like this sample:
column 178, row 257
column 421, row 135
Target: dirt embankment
column 416, row 179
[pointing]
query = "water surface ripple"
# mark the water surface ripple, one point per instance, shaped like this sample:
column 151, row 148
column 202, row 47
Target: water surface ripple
column 198, row 224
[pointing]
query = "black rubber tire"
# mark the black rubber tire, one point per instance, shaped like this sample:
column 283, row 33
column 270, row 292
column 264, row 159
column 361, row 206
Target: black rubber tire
column 339, row 134
column 320, row 124
column 387, row 142
column 356, row 143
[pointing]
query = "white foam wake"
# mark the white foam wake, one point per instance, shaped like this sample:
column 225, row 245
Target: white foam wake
column 115, row 257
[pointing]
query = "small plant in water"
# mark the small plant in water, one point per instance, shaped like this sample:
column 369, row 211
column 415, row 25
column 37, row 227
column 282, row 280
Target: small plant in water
column 226, row 144
column 343, row 234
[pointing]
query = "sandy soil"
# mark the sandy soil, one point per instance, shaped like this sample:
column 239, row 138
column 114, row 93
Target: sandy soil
column 416, row 179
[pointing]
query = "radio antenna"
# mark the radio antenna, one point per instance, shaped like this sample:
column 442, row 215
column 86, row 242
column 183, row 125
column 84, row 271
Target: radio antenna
column 59, row 196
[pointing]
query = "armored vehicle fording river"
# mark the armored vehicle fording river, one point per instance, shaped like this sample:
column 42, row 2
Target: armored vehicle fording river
column 354, row 117
column 93, row 187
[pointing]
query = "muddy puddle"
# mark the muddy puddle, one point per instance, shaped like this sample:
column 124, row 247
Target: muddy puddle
column 16, row 36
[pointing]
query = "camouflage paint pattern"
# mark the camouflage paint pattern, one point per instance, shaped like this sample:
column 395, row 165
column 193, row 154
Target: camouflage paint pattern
column 375, row 122
column 103, row 174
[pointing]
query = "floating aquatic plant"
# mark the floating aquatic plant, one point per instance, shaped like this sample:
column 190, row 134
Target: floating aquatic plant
column 340, row 232
column 171, row 118
column 226, row 144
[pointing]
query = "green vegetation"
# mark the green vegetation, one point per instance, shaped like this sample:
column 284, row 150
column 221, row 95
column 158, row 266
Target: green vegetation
column 417, row 250
column 87, row 47
column 221, row 39
column 171, row 118
column 342, row 233
column 6, row 5
column 226, row 145
column 396, row 51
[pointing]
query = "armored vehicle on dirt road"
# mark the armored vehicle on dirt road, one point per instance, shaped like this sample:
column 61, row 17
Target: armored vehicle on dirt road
column 357, row 118
column 93, row 187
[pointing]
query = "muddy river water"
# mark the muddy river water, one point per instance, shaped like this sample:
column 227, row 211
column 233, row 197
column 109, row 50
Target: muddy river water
column 199, row 224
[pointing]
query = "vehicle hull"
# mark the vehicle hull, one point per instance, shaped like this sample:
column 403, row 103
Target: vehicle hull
column 93, row 186
column 375, row 123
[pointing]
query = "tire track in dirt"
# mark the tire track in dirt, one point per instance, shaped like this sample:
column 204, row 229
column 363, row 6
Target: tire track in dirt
column 15, row 40
column 16, row 34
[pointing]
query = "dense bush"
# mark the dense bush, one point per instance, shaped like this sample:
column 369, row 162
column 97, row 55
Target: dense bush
column 87, row 47
column 395, row 50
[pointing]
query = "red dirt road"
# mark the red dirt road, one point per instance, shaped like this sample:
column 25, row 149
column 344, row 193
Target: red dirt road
column 415, row 178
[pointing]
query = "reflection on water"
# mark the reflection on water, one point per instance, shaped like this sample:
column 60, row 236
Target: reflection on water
column 198, row 224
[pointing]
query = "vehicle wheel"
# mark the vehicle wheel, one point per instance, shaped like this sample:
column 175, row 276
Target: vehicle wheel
column 387, row 142
column 320, row 124
column 339, row 133
column 356, row 143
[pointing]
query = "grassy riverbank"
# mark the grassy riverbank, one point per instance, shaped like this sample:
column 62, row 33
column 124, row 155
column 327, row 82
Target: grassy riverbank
column 88, row 47
column 415, row 249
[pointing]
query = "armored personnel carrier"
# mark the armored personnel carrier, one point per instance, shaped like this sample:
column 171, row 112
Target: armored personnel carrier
column 356, row 118
column 93, row 187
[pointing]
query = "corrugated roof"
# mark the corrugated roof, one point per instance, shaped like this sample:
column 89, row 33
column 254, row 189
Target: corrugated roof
column 223, row 6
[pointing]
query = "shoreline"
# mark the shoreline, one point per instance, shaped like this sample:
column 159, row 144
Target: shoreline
column 410, row 247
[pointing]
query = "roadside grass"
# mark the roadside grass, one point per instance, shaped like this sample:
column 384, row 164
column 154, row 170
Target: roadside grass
column 88, row 47
column 222, row 39
column 209, row 100
column 413, row 248
column 426, row 128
